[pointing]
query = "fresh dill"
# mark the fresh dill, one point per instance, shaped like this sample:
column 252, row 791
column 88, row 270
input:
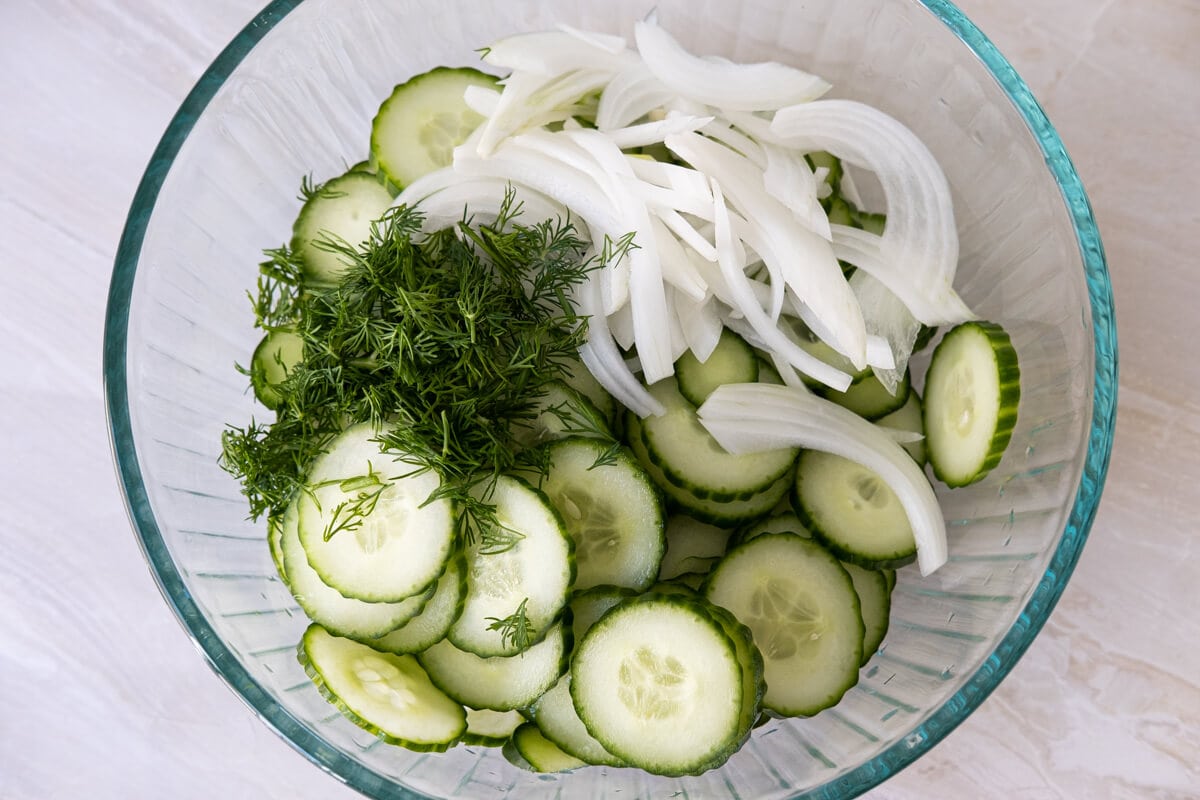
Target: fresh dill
column 442, row 340
column 349, row 515
column 515, row 630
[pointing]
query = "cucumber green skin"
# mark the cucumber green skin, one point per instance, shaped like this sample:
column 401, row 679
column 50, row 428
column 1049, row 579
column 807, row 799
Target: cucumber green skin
column 753, row 685
column 395, row 178
column 924, row 337
column 830, row 543
column 583, row 605
column 1009, row 373
column 529, row 749
column 314, row 674
column 303, row 237
column 460, row 559
column 261, row 371
column 695, row 379
column 875, row 604
column 482, row 740
column 786, row 522
column 889, row 575
column 275, row 543
column 869, row 399
column 719, row 754
column 722, row 513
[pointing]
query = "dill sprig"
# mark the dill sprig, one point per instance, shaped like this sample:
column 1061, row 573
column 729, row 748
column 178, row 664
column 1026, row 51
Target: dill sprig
column 515, row 630
column 441, row 340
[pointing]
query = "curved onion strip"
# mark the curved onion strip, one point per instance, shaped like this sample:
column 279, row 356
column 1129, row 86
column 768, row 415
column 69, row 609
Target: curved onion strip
column 550, row 53
column 747, row 418
column 800, row 258
column 700, row 322
column 605, row 41
column 530, row 100
column 602, row 358
column 654, row 132
column 744, row 301
column 444, row 196
column 920, row 242
column 743, row 87
column 677, row 268
column 629, row 96
column 889, row 318
column 788, row 178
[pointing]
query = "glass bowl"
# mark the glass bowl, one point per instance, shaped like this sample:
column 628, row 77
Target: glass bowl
column 294, row 94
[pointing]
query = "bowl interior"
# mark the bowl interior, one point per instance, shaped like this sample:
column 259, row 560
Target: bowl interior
column 295, row 94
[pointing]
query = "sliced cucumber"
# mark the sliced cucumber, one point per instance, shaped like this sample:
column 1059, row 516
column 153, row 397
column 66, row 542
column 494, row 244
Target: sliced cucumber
column 561, row 412
column 366, row 524
column 692, row 546
column 530, row 750
column 783, row 522
column 800, row 604
column 869, row 398
column 500, row 683
column 972, row 391
column 589, row 605
column 749, row 656
column 275, row 544
column 658, row 683
column 823, row 352
column 276, row 355
column 871, row 223
column 581, row 380
column 554, row 714
column 340, row 211
column 340, row 615
column 424, row 119
column 889, row 575
column 924, row 337
column 529, row 574
column 875, row 605
column 386, row 694
column 692, row 460
column 732, row 361
column 908, row 418
column 430, row 626
column 611, row 510
column 487, row 728
column 729, row 513
column 852, row 511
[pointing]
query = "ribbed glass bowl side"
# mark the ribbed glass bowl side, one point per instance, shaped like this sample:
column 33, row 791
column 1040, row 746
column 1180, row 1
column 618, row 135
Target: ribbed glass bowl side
column 293, row 95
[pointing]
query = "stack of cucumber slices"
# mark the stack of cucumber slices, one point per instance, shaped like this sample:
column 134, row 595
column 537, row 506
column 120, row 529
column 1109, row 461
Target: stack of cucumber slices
column 649, row 597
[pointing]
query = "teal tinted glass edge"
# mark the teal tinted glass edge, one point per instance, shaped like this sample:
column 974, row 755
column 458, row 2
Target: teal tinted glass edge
column 901, row 754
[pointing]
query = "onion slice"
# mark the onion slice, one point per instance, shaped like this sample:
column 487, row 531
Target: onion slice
column 764, row 86
column 752, row 417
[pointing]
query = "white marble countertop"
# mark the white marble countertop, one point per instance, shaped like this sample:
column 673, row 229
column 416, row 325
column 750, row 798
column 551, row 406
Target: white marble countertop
column 103, row 695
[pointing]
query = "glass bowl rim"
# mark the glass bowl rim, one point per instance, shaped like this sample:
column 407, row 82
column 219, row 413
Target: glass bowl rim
column 862, row 778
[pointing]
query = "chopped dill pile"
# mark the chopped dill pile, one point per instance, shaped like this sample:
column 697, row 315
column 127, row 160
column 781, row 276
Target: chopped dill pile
column 442, row 340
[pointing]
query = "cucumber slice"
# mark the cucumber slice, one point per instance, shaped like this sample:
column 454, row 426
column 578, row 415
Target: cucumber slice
column 554, row 714
column 972, row 391
column 611, row 510
column 783, row 522
column 871, row 223
column 487, row 728
column 276, row 355
column 692, row 546
column 908, row 418
column 341, row 210
column 822, row 351
column 559, row 413
column 579, row 378
column 530, row 750
column 869, row 398
column 889, row 575
column 728, row 513
column 800, row 605
column 658, row 683
column 749, row 656
column 590, row 605
column 366, row 523
column 732, row 361
column 531, row 572
column 875, row 605
column 924, row 337
column 340, row 615
column 275, row 544
column 501, row 683
column 424, row 119
column 386, row 694
column 691, row 459
column 430, row 626
column 852, row 511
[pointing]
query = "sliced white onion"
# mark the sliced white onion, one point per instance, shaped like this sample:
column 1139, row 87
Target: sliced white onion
column 746, row 418
column 602, row 358
column 552, row 53
column 920, row 242
column 788, row 178
column 743, row 87
column 888, row 318
column 529, row 100
column 605, row 41
column 632, row 94
column 649, row 133
column 801, row 259
column 677, row 268
column 742, row 298
column 701, row 323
